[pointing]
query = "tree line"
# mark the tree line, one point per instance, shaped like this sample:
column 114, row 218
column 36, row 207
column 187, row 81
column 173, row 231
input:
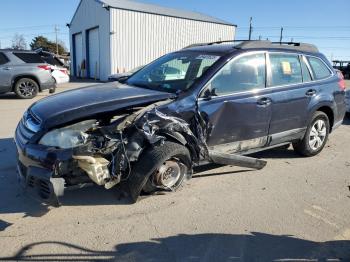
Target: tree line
column 19, row 43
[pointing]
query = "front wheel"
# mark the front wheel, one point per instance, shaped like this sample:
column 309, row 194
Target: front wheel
column 315, row 137
column 161, row 167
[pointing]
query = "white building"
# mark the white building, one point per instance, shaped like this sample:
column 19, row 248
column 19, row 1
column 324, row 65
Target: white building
column 114, row 36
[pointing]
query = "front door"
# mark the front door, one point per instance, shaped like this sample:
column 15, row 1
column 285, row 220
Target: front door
column 237, row 112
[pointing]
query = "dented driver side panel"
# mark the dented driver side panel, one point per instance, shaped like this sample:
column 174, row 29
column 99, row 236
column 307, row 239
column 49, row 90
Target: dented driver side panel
column 237, row 122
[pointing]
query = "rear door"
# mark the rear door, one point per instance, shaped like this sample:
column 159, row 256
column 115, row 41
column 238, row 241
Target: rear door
column 290, row 90
column 238, row 115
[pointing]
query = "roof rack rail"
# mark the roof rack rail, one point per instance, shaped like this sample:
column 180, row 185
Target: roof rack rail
column 215, row 43
column 250, row 44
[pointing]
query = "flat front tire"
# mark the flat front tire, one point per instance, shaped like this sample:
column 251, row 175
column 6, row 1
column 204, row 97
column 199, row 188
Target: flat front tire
column 316, row 136
column 161, row 167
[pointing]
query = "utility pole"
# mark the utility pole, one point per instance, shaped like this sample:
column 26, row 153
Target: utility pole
column 250, row 28
column 281, row 35
column 56, row 32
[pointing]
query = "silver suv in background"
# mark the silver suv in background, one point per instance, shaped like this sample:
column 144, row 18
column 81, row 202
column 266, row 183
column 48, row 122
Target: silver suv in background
column 25, row 73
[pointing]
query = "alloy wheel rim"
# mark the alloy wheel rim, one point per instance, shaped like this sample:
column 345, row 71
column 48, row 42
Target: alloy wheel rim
column 318, row 134
column 26, row 88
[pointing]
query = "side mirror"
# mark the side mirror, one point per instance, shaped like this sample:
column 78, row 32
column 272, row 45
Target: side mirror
column 123, row 79
column 209, row 93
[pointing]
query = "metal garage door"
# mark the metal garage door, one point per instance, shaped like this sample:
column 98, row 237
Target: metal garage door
column 78, row 55
column 93, row 53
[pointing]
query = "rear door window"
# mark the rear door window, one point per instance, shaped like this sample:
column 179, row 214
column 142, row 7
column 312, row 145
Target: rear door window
column 3, row 59
column 285, row 69
column 30, row 58
column 319, row 69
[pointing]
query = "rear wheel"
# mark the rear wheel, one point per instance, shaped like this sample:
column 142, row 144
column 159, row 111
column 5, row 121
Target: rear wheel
column 315, row 137
column 26, row 88
column 160, row 168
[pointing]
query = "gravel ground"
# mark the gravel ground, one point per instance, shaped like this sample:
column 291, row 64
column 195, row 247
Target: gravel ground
column 296, row 209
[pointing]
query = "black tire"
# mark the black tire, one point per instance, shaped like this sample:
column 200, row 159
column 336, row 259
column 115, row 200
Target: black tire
column 26, row 88
column 150, row 161
column 303, row 147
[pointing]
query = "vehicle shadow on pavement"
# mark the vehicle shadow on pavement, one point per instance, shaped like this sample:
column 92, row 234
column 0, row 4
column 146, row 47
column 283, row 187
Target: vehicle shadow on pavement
column 12, row 197
column 201, row 247
column 278, row 152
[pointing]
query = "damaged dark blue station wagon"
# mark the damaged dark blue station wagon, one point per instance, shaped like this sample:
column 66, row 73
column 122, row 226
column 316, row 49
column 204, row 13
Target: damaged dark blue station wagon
column 211, row 102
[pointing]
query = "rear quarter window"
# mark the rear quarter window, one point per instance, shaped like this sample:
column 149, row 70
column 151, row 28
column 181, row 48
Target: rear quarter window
column 319, row 69
column 30, row 58
column 3, row 59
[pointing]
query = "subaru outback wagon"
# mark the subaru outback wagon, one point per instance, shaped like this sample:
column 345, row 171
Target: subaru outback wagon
column 229, row 100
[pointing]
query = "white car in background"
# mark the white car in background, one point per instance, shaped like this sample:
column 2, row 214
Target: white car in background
column 58, row 69
column 60, row 74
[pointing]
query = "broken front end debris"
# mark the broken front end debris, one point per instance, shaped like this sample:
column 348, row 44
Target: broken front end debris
column 145, row 147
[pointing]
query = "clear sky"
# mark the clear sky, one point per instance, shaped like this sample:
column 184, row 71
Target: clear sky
column 322, row 22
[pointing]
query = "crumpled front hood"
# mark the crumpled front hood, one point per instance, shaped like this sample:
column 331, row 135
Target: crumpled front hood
column 85, row 102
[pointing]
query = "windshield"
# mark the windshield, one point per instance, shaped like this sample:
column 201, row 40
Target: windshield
column 173, row 72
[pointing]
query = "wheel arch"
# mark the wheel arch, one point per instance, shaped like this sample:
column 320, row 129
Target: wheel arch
column 18, row 77
column 330, row 114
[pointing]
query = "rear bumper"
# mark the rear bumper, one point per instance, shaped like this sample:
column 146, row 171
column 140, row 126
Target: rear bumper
column 48, row 85
column 347, row 101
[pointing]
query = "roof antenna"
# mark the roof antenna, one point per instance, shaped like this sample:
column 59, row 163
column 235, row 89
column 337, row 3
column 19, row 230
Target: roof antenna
column 281, row 35
column 250, row 28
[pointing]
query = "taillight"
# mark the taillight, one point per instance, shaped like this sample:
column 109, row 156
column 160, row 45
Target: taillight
column 341, row 82
column 64, row 71
column 45, row 67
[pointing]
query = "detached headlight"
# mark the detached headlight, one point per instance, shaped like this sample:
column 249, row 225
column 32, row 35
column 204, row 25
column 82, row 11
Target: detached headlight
column 68, row 137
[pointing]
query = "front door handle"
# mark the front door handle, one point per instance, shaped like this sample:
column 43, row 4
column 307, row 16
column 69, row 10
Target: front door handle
column 311, row 92
column 265, row 101
column 6, row 68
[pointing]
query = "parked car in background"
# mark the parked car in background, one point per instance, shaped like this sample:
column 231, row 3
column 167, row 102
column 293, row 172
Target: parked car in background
column 343, row 66
column 25, row 73
column 222, row 101
column 347, row 91
column 58, row 69
column 347, row 100
column 116, row 77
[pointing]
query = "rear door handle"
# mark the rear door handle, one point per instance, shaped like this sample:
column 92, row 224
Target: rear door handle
column 311, row 92
column 265, row 101
column 7, row 68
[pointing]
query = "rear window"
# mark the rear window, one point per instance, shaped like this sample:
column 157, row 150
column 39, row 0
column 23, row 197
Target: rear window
column 3, row 59
column 30, row 58
column 52, row 60
column 319, row 69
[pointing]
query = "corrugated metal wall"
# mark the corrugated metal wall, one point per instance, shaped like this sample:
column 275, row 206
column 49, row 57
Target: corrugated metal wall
column 139, row 38
column 89, row 15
